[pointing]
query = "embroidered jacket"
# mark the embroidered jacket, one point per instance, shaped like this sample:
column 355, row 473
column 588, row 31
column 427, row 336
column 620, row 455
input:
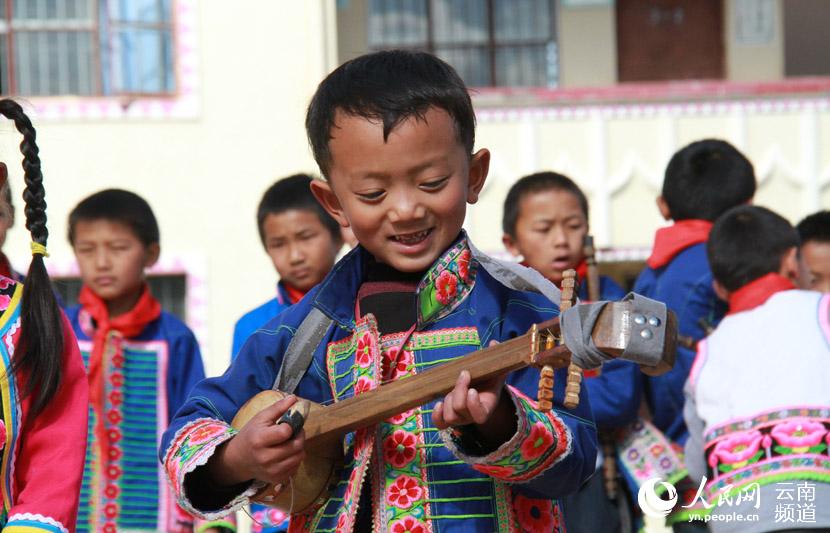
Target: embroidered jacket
column 257, row 317
column 42, row 464
column 758, row 404
column 421, row 479
column 264, row 518
column 685, row 285
column 143, row 387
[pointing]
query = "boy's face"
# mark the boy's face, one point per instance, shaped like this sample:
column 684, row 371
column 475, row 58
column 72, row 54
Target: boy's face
column 404, row 199
column 550, row 231
column 816, row 258
column 111, row 258
column 302, row 249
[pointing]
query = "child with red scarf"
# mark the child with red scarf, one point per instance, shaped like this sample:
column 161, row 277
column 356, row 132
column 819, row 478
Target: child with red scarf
column 141, row 364
column 751, row 444
column 702, row 181
column 302, row 241
column 545, row 221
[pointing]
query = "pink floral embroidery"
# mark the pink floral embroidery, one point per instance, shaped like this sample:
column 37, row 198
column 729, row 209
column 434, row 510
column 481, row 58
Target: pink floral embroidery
column 657, row 450
column 115, row 398
column 402, row 359
column 4, row 301
column 404, row 492
column 114, row 416
column 408, row 525
column 446, row 287
column 539, row 440
column 399, row 448
column 401, row 418
column 203, row 434
column 2, row 435
column 534, row 515
column 464, row 265
column 364, row 384
column 799, row 434
column 5, row 282
column 736, row 450
column 365, row 350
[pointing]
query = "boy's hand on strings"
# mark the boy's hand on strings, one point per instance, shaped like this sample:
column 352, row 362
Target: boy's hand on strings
column 263, row 449
column 487, row 406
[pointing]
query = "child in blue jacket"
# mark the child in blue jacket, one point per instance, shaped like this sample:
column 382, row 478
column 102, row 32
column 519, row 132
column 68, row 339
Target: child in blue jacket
column 393, row 133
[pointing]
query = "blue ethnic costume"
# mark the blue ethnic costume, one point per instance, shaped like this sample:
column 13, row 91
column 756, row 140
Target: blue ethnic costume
column 419, row 479
column 141, row 367
column 678, row 274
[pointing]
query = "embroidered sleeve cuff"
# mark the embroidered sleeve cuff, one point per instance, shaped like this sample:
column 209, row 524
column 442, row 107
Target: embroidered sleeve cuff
column 28, row 523
column 191, row 448
column 541, row 440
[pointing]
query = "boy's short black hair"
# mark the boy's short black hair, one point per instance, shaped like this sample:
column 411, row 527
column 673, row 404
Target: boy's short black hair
column 815, row 227
column 534, row 183
column 117, row 205
column 389, row 86
column 705, row 179
column 746, row 243
column 293, row 192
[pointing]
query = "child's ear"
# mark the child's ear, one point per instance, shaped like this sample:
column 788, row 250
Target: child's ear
column 479, row 167
column 510, row 243
column 791, row 267
column 663, row 207
column 720, row 290
column 151, row 254
column 325, row 195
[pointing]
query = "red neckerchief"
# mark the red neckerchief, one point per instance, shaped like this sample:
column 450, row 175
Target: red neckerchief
column 757, row 292
column 670, row 241
column 294, row 295
column 109, row 333
column 581, row 272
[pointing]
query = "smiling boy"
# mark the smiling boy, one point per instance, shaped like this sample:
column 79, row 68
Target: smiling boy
column 393, row 133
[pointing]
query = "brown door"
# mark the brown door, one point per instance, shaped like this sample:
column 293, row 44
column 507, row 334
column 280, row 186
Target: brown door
column 670, row 39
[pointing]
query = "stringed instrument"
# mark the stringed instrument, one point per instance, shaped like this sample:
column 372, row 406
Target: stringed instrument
column 326, row 426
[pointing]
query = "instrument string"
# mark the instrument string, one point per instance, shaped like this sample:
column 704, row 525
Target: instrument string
column 254, row 520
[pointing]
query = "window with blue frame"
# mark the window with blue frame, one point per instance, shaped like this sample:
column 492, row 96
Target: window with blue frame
column 86, row 47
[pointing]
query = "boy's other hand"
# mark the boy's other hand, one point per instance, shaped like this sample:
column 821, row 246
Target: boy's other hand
column 465, row 405
column 262, row 450
column 487, row 406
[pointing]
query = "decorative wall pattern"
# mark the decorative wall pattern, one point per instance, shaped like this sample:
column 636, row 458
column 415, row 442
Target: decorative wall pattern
column 618, row 152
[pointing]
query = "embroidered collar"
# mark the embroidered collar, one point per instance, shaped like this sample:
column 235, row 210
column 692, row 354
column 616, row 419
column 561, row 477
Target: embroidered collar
column 447, row 282
column 444, row 286
column 757, row 292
